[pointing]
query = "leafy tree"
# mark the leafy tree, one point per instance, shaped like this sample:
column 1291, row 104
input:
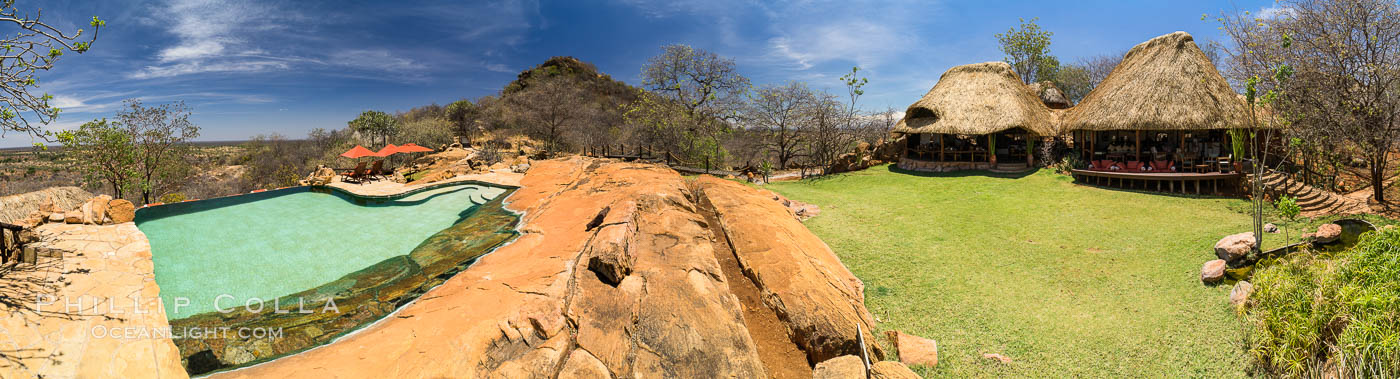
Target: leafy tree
column 375, row 124
column 462, row 114
column 656, row 121
column 143, row 149
column 104, row 153
column 1027, row 49
column 708, row 87
column 159, row 136
column 33, row 47
column 1288, row 208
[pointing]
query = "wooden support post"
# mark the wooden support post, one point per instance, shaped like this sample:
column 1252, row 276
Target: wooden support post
column 991, row 148
column 940, row 147
column 1181, row 149
column 1137, row 143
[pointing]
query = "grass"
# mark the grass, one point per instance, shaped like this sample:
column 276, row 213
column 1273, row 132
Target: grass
column 1066, row 279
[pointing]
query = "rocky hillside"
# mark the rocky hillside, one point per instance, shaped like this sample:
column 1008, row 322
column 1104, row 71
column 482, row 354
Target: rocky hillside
column 597, row 83
column 622, row 270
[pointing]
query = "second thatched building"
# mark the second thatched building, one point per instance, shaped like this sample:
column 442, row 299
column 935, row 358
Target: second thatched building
column 978, row 116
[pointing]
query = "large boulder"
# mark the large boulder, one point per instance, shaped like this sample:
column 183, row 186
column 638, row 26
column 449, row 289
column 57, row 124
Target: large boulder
column 891, row 370
column 1240, row 294
column 843, row 367
column 121, row 210
column 914, row 350
column 95, row 210
column 1235, row 247
column 1327, row 233
column 798, row 275
column 73, row 217
column 321, row 176
column 1213, row 271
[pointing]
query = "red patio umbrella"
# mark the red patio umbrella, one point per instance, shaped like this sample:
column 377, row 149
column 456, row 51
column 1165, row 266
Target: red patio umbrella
column 358, row 152
column 413, row 148
column 388, row 150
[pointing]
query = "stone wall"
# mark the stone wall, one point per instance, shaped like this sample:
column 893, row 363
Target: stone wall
column 927, row 166
column 17, row 207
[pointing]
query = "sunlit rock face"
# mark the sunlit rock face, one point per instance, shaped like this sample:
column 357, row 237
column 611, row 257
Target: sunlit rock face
column 620, row 269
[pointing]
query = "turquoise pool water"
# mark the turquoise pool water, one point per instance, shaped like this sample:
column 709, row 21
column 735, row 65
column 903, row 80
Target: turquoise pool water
column 271, row 244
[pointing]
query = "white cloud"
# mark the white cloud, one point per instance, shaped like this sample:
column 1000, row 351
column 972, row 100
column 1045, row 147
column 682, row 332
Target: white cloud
column 207, row 28
column 216, row 36
column 1273, row 12
column 374, row 59
column 497, row 67
column 194, row 67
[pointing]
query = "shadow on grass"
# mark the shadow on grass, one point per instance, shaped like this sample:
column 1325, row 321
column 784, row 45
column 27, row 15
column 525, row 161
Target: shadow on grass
column 1160, row 193
column 963, row 173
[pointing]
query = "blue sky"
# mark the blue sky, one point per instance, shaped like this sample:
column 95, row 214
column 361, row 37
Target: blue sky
column 257, row 66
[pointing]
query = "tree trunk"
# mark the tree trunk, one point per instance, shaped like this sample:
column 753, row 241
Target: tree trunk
column 1378, row 181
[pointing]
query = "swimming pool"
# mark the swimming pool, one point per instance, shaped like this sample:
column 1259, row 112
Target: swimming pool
column 227, row 251
column 281, row 260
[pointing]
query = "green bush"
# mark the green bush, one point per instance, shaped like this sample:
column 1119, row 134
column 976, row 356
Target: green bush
column 1313, row 314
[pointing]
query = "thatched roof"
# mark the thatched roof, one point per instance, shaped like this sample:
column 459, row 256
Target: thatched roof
column 1051, row 95
column 17, row 207
column 1166, row 83
column 979, row 98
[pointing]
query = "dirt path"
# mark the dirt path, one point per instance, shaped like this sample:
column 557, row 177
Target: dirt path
column 779, row 354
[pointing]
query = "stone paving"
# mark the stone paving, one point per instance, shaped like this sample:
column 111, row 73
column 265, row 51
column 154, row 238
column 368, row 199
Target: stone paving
column 90, row 307
column 389, row 187
column 88, row 310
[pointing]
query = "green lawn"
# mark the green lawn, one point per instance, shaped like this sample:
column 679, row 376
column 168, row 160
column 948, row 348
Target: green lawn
column 1066, row 279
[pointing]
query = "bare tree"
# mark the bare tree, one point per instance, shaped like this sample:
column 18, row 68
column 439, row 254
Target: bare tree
column 826, row 134
column 548, row 107
column 1347, row 58
column 778, row 112
column 1340, row 57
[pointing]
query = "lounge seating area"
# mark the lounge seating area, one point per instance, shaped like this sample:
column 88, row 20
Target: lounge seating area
column 361, row 173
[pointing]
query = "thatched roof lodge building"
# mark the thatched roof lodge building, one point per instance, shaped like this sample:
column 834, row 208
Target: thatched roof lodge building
column 977, row 116
column 1163, row 115
column 1164, row 110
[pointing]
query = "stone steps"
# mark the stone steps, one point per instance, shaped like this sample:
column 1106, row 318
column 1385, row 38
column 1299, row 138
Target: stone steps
column 1312, row 200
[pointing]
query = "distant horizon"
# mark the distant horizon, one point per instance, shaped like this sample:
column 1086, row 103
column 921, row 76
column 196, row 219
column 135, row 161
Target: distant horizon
column 261, row 67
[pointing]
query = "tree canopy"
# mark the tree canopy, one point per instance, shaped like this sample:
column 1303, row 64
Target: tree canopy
column 32, row 47
column 1027, row 49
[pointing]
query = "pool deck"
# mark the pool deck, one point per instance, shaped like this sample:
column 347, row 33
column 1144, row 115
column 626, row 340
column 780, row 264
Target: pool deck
column 390, row 188
column 103, row 310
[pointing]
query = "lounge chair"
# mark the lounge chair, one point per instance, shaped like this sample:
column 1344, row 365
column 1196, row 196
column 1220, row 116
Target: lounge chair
column 377, row 169
column 1132, row 166
column 1163, row 166
column 355, row 174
